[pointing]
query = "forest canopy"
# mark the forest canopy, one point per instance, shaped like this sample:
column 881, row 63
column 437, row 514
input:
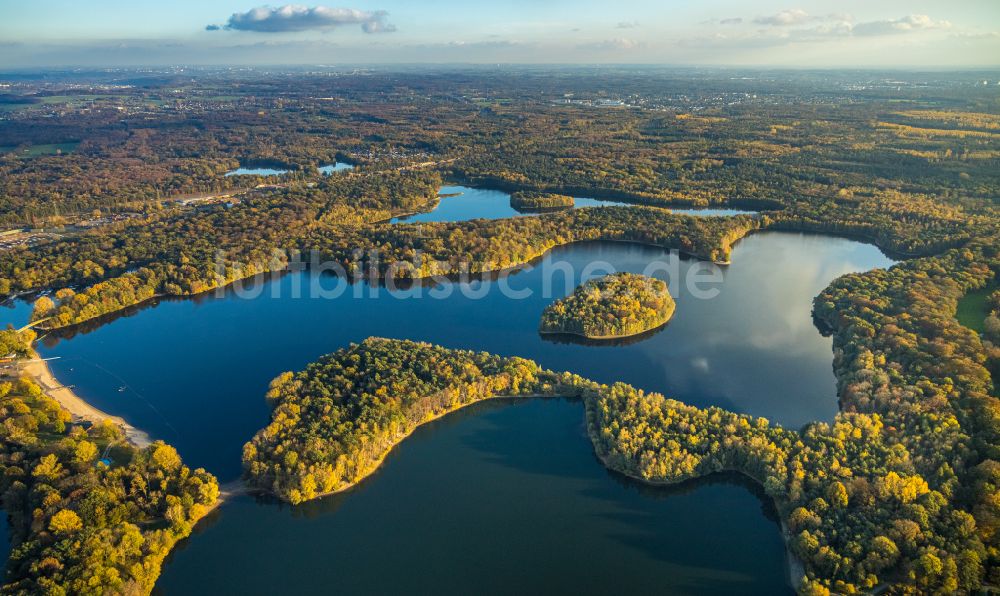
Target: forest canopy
column 528, row 201
column 89, row 512
column 617, row 305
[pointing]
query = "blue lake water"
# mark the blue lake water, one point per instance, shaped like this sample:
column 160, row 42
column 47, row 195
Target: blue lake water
column 336, row 167
column 516, row 493
column 266, row 171
column 256, row 172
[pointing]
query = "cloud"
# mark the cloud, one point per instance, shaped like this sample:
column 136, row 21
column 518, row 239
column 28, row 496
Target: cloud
column 727, row 21
column 212, row 27
column 785, row 18
column 796, row 25
column 619, row 43
column 628, row 24
column 483, row 45
column 294, row 17
column 907, row 24
column 969, row 35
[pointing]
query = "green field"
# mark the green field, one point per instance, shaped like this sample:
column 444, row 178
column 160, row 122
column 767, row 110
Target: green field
column 49, row 100
column 54, row 99
column 972, row 309
column 39, row 150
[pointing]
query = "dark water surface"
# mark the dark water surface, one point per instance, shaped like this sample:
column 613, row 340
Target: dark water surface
column 496, row 499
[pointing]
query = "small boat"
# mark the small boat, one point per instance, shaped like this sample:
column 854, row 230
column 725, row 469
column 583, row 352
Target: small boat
column 121, row 389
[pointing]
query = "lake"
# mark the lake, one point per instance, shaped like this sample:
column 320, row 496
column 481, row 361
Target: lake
column 336, row 167
column 516, row 505
column 462, row 203
column 501, row 498
column 256, row 171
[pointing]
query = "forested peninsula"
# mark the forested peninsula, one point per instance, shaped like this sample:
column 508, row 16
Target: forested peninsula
column 613, row 306
column 89, row 512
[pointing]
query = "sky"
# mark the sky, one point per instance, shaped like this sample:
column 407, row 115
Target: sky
column 779, row 33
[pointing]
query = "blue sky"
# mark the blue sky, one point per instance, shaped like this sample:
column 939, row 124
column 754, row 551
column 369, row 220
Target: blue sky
column 910, row 33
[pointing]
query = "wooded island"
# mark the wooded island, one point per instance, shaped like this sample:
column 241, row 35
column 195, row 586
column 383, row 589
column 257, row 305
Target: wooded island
column 540, row 201
column 613, row 306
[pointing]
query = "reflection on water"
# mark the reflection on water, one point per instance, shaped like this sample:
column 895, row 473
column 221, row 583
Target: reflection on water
column 572, row 338
column 501, row 498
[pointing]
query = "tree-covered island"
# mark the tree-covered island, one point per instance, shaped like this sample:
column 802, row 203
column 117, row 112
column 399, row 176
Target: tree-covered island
column 613, row 306
column 528, row 201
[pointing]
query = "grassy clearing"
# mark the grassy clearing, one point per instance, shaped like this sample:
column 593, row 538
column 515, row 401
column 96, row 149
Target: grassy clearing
column 39, row 150
column 972, row 309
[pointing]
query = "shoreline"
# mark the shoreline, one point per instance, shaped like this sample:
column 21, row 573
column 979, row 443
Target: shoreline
column 603, row 337
column 38, row 371
column 660, row 325
column 396, row 442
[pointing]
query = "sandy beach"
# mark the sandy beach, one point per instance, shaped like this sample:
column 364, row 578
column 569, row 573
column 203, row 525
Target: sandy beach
column 38, row 371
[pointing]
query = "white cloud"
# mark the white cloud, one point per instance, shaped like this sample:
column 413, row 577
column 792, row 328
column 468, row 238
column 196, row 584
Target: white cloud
column 619, row 43
column 796, row 25
column 484, row 45
column 975, row 36
column 294, row 17
column 907, row 24
column 785, row 18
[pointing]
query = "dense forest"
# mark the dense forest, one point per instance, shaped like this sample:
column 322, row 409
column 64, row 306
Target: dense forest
column 528, row 201
column 481, row 246
column 615, row 305
column 189, row 254
column 801, row 140
column 16, row 343
column 334, row 422
column 89, row 513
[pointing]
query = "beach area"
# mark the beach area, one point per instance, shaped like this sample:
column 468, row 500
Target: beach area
column 37, row 369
